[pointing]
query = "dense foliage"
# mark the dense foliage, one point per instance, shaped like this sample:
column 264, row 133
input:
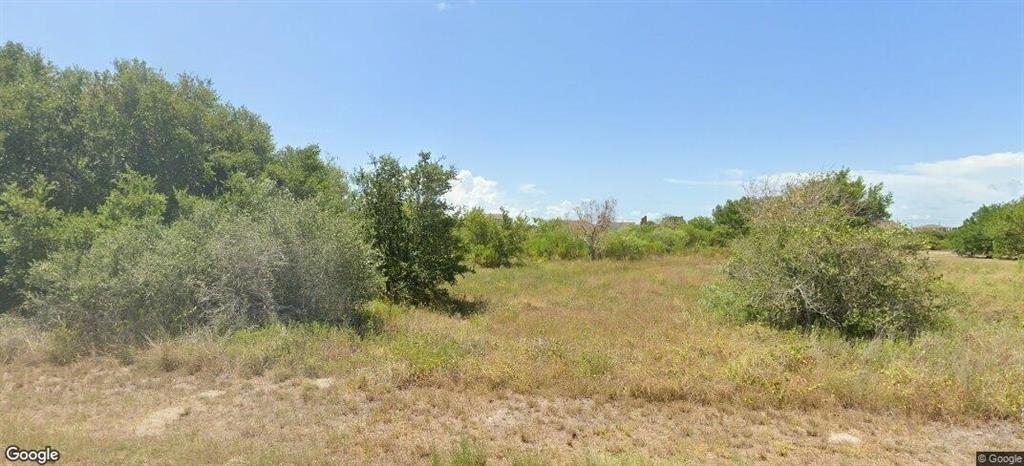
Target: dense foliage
column 256, row 256
column 934, row 237
column 992, row 231
column 554, row 239
column 734, row 216
column 79, row 130
column 413, row 227
column 811, row 259
column 493, row 240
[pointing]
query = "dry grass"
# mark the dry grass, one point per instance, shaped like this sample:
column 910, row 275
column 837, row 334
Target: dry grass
column 563, row 362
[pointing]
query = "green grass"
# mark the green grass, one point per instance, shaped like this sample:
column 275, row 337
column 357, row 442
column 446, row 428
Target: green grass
column 636, row 329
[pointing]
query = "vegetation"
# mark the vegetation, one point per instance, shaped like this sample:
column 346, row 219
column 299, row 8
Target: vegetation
column 253, row 257
column 535, row 366
column 80, row 130
column 554, row 239
column 493, row 240
column 412, row 226
column 992, row 231
column 147, row 219
column 813, row 259
column 934, row 237
column 593, row 221
column 734, row 216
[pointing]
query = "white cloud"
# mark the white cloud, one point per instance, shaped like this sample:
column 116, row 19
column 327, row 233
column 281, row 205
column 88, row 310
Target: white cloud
column 559, row 210
column 441, row 6
column 948, row 191
column 469, row 190
column 944, row 191
column 530, row 188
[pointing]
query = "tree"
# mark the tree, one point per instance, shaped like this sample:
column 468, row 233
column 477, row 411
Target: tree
column 408, row 221
column 305, row 174
column 593, row 221
column 734, row 216
column 995, row 230
column 80, row 129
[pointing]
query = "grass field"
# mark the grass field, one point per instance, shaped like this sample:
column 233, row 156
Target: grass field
column 551, row 363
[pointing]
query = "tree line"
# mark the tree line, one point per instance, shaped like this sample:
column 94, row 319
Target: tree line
column 133, row 207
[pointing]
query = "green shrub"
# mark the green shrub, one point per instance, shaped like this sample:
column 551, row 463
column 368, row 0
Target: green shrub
column 628, row 244
column 992, row 231
column 27, row 234
column 808, row 262
column 555, row 239
column 220, row 267
column 30, row 229
column 493, row 240
column 707, row 233
column 933, row 238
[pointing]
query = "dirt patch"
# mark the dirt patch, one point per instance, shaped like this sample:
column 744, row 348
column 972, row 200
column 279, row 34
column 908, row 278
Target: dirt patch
column 157, row 421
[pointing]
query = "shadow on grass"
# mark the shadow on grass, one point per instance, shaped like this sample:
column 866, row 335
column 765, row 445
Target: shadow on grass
column 374, row 318
column 459, row 306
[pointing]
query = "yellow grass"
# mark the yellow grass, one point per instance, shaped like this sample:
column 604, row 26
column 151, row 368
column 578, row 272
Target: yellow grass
column 560, row 362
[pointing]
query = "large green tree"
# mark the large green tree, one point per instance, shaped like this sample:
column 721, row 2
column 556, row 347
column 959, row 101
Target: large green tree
column 408, row 221
column 80, row 129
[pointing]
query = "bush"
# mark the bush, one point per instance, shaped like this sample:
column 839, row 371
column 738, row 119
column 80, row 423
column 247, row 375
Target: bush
column 555, row 239
column 992, row 231
column 30, row 229
column 27, row 226
column 808, row 262
column 219, row 267
column 628, row 244
column 493, row 240
column 934, row 238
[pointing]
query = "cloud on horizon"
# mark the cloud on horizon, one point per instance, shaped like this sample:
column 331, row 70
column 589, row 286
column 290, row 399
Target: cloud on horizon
column 948, row 191
column 943, row 191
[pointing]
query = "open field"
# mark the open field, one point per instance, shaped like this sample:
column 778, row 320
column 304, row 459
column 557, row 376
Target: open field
column 560, row 362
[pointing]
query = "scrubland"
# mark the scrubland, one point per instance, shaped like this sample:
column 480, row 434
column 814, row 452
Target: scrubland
column 566, row 362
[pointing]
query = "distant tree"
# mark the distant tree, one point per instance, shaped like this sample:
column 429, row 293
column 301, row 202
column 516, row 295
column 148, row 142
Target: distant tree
column 734, row 216
column 493, row 240
column 554, row 239
column 408, row 221
column 701, row 222
column 672, row 220
column 995, row 230
column 593, row 221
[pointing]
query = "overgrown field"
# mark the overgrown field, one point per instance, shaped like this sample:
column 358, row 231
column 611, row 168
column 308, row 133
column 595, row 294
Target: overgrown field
column 555, row 362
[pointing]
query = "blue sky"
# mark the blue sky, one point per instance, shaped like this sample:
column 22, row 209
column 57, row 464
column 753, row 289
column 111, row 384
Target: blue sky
column 669, row 107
